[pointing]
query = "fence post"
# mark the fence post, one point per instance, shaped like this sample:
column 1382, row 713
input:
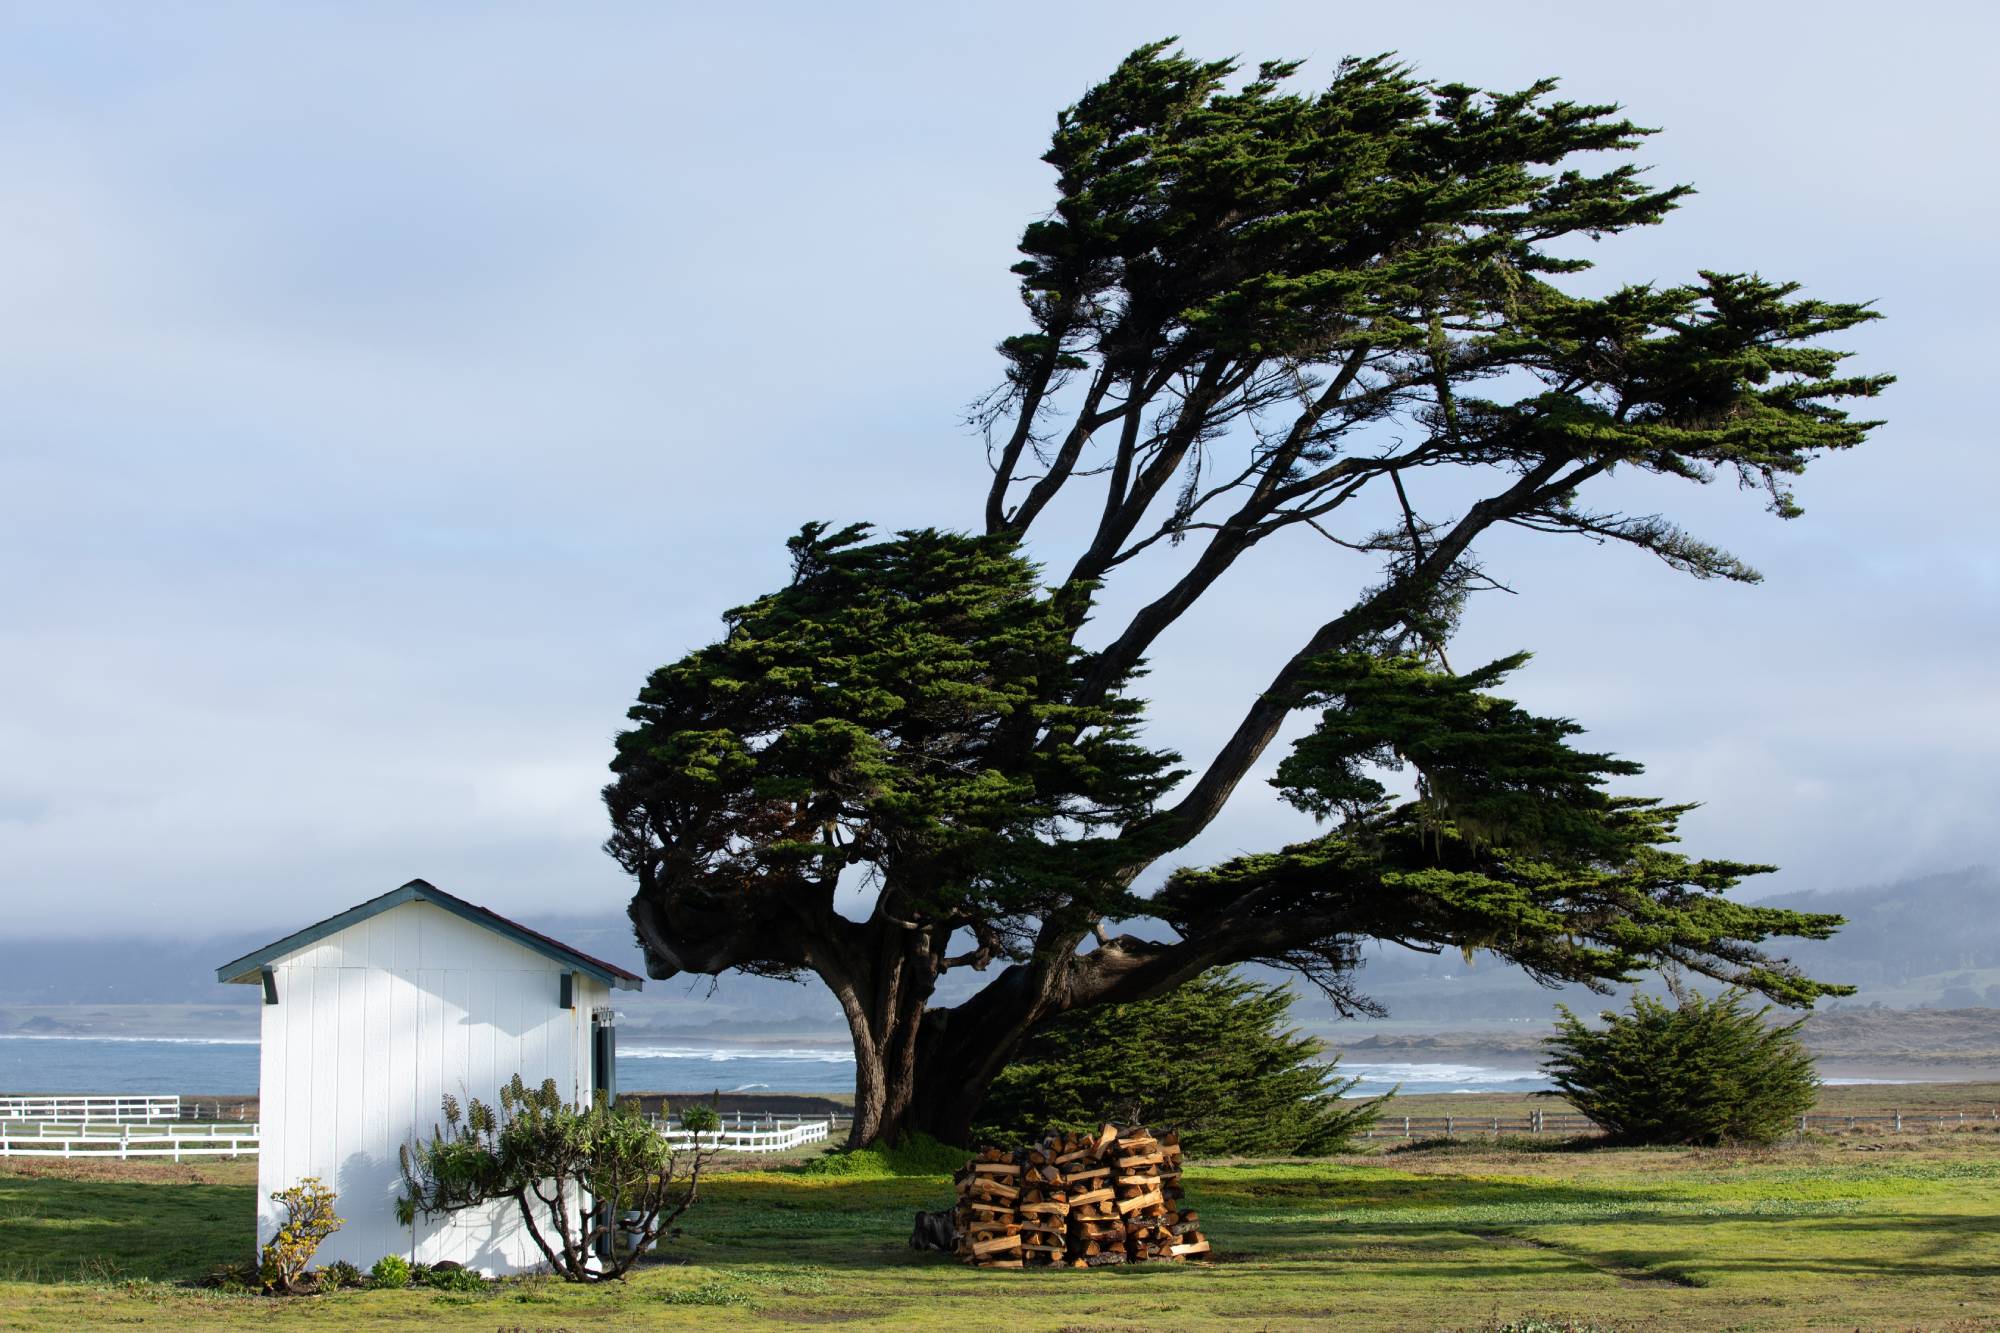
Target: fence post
column 1899, row 1120
column 1447, row 1126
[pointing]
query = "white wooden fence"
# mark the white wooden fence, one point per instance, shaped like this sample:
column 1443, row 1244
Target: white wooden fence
column 129, row 1127
column 142, row 1109
column 776, row 1138
column 1570, row 1122
column 54, row 1139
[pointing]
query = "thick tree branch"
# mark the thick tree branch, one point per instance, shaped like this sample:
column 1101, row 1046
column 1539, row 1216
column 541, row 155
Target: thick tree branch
column 1373, row 615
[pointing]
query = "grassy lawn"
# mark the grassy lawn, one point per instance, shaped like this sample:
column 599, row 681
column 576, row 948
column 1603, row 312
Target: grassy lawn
column 1863, row 1232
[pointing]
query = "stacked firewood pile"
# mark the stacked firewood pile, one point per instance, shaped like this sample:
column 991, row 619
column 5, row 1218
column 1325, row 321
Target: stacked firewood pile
column 1080, row 1200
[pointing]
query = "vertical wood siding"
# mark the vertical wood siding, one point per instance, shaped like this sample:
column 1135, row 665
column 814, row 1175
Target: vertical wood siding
column 373, row 1026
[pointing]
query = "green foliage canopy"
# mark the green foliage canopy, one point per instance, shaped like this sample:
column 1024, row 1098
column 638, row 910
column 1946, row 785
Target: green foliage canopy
column 902, row 705
column 1511, row 844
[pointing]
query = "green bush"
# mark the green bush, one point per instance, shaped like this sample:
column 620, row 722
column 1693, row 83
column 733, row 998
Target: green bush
column 309, row 1220
column 1699, row 1072
column 1212, row 1059
column 714, row 1291
column 390, row 1271
column 454, row 1277
column 538, row 1150
column 339, row 1274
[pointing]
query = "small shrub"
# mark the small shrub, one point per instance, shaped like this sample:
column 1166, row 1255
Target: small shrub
column 1215, row 1059
column 543, row 1153
column 339, row 1274
column 391, row 1271
column 715, row 1291
column 420, row 1275
column 309, row 1221
column 1700, row 1072
column 232, row 1278
column 454, row 1277
column 532, row 1289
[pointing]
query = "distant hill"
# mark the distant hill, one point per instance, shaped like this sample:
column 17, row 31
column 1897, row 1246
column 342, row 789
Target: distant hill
column 1904, row 940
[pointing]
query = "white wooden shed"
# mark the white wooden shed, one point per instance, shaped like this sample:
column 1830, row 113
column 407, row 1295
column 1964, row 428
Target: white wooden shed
column 372, row 1016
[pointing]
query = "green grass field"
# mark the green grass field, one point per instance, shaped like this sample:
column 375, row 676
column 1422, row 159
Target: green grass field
column 1869, row 1231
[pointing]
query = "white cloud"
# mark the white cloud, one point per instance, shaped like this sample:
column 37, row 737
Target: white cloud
column 388, row 392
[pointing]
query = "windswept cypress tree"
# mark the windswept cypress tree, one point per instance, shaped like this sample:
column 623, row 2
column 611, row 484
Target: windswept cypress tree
column 1250, row 313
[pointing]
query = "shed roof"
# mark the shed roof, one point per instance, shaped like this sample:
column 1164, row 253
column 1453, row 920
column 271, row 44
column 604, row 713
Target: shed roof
column 248, row 967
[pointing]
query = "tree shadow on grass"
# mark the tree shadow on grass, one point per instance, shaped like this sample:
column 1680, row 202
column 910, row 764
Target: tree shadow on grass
column 1264, row 1217
column 54, row 1229
column 1881, row 1246
column 1390, row 1228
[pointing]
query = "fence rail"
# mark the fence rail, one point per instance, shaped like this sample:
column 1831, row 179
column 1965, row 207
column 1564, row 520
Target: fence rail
column 1452, row 1126
column 137, row 1108
column 1570, row 1122
column 774, row 1139
column 51, row 1135
column 122, row 1142
column 177, row 1142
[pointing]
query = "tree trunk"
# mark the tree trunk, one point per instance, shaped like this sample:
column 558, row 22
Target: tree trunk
column 924, row 1070
column 964, row 1048
column 936, row 1083
column 884, row 1019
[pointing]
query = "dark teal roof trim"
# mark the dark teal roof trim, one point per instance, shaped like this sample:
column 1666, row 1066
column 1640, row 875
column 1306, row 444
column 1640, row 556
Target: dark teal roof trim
column 247, row 968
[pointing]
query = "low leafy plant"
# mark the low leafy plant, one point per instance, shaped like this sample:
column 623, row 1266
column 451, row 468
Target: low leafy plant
column 308, row 1222
column 1698, row 1072
column 454, row 1278
column 391, row 1271
column 549, row 1157
column 232, row 1278
column 719, row 1291
column 339, row 1274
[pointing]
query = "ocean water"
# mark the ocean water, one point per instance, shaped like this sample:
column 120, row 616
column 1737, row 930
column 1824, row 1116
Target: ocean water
column 108, row 1064
column 227, row 1068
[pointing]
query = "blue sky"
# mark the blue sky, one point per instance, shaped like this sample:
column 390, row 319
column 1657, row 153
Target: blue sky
column 388, row 389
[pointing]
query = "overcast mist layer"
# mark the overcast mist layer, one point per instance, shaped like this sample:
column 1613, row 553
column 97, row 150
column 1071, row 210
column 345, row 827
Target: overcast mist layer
column 385, row 393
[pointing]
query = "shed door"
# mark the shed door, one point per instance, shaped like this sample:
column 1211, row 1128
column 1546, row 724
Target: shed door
column 604, row 1056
